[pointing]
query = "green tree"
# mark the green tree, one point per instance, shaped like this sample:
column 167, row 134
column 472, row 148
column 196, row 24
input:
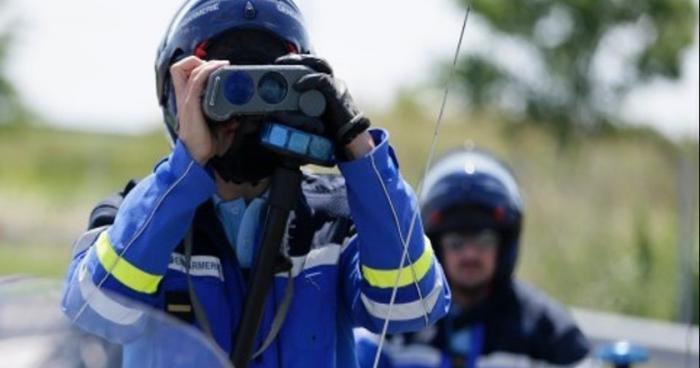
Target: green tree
column 582, row 57
column 9, row 105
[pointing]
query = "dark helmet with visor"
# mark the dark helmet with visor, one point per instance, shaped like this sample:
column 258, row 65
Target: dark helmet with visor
column 471, row 190
column 243, row 31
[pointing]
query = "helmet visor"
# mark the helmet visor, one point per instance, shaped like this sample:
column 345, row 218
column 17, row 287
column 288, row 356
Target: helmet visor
column 246, row 47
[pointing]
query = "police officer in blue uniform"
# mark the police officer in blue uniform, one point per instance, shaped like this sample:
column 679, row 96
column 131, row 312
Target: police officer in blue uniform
column 473, row 212
column 185, row 238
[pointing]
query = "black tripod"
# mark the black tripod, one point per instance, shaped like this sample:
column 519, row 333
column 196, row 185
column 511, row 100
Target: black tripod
column 284, row 192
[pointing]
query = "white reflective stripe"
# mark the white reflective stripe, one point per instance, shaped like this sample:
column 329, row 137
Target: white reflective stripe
column 324, row 256
column 404, row 311
column 199, row 265
column 102, row 304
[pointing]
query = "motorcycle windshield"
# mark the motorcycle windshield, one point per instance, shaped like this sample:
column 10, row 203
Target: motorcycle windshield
column 35, row 333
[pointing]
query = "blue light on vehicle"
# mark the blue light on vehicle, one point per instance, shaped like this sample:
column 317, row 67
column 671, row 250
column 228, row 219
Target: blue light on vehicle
column 622, row 353
column 239, row 88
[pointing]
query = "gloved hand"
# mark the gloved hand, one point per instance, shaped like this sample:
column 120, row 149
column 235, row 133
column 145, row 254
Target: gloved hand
column 342, row 120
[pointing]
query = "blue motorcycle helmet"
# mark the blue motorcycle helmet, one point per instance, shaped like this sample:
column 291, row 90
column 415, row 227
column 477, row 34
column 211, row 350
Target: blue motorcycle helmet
column 471, row 190
column 245, row 32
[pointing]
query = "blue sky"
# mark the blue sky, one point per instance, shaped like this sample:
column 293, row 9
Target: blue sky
column 89, row 64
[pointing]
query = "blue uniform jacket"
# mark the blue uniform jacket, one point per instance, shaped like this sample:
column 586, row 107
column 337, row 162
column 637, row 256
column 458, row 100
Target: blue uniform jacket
column 345, row 242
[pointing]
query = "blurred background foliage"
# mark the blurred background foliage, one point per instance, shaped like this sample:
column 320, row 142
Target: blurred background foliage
column 567, row 64
column 602, row 211
column 9, row 104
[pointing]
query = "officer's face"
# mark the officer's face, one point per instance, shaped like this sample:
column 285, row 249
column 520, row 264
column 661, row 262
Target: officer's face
column 469, row 259
column 225, row 133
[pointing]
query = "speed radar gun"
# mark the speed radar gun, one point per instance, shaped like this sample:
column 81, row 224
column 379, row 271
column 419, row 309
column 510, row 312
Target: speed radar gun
column 257, row 90
column 262, row 91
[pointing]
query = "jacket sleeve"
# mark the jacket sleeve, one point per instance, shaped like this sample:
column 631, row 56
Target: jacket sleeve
column 556, row 337
column 121, row 264
column 561, row 342
column 382, row 206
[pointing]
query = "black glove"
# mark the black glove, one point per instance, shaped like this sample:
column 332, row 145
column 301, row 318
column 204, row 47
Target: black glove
column 343, row 121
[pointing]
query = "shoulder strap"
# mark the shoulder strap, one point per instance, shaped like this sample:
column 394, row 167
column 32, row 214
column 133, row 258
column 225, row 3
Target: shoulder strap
column 280, row 316
column 199, row 313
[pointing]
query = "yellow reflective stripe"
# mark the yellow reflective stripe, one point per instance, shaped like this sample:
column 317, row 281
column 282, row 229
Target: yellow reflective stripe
column 122, row 270
column 387, row 278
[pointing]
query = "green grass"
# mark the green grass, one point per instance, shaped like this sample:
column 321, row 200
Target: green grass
column 33, row 259
column 601, row 214
column 49, row 179
column 66, row 166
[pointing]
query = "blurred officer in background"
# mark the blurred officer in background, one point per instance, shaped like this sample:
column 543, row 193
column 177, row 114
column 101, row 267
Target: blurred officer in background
column 344, row 241
column 473, row 213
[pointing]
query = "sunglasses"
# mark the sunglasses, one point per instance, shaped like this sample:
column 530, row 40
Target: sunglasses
column 484, row 239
